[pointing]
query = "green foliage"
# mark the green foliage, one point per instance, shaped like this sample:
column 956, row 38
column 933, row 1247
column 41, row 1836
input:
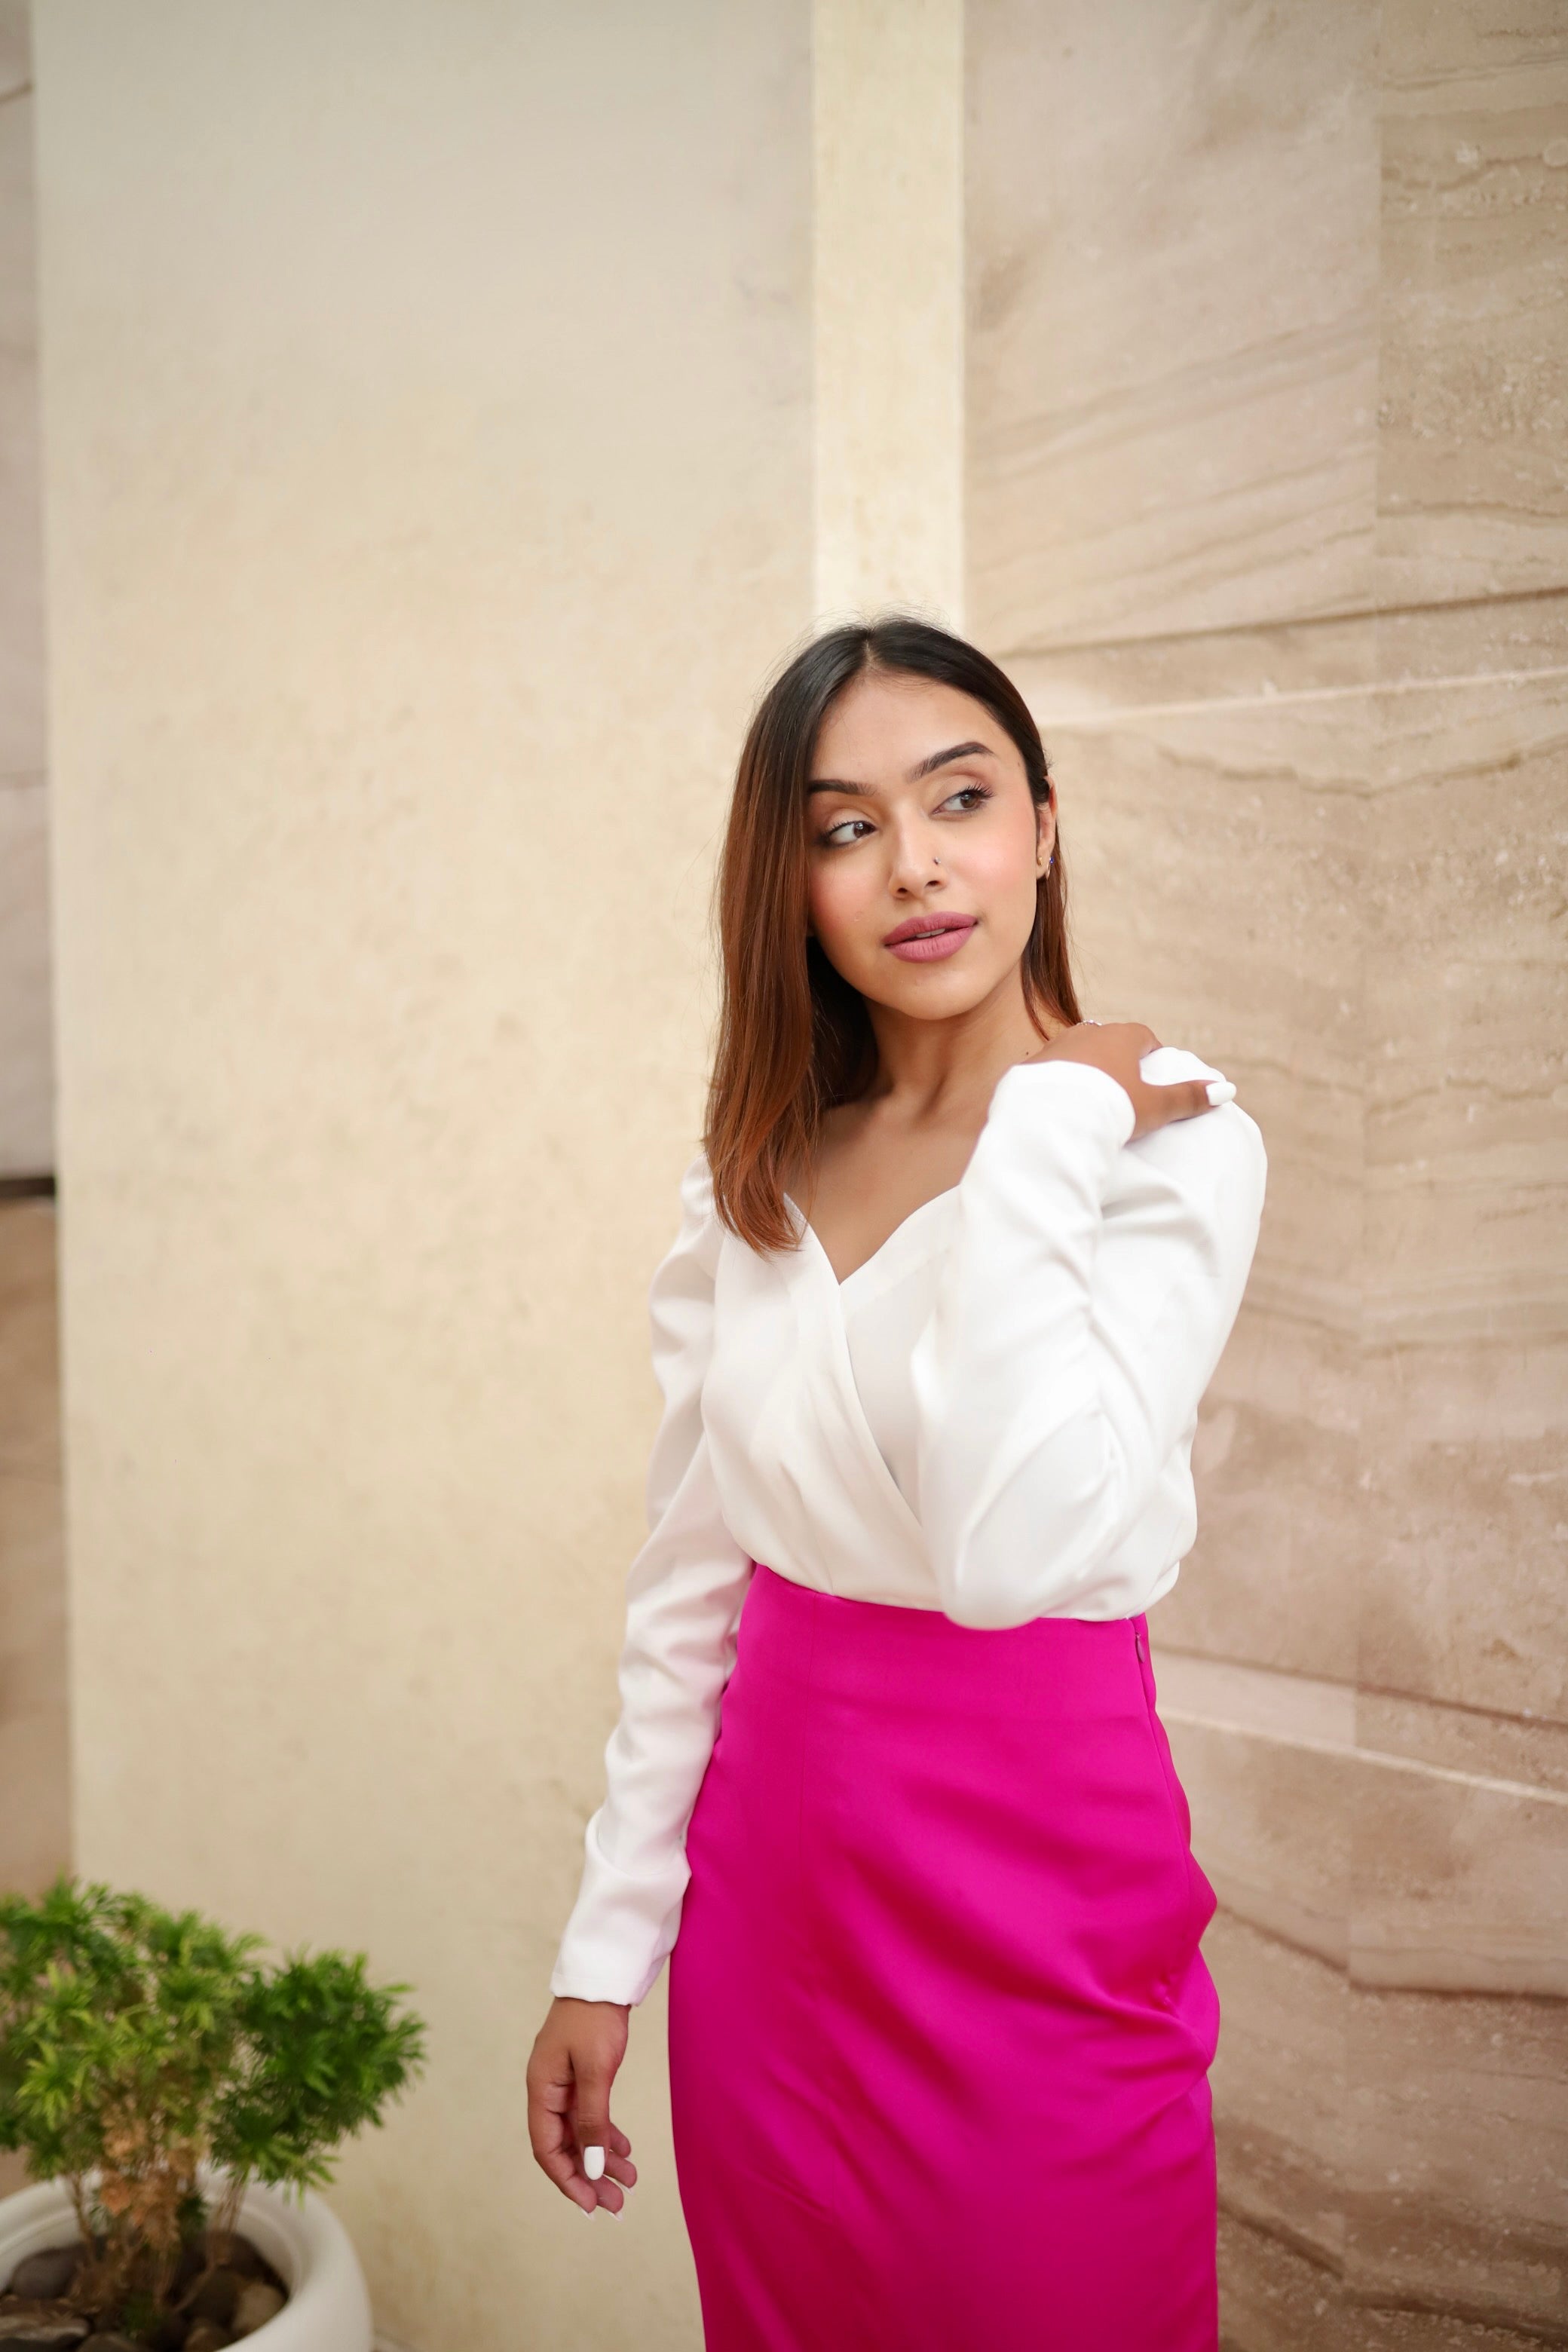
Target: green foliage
column 137, row 2043
column 322, row 2056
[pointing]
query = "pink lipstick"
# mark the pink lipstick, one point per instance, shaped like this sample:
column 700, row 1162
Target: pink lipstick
column 926, row 938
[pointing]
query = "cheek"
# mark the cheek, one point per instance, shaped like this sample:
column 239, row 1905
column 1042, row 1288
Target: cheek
column 995, row 867
column 841, row 899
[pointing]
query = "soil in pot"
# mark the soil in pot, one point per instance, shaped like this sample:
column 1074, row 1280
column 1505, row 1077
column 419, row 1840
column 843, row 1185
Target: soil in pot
column 214, row 2305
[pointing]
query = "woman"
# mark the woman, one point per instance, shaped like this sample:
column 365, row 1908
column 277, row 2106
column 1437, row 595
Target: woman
column 954, row 1269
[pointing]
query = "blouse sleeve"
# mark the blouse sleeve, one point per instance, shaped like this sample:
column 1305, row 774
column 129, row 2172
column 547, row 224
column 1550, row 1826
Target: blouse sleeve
column 684, row 1591
column 1046, row 1405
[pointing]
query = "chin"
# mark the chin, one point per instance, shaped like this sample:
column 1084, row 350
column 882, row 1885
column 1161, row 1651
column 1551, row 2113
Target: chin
column 936, row 998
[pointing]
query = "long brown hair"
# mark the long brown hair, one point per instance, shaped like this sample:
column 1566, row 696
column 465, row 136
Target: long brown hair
column 795, row 1038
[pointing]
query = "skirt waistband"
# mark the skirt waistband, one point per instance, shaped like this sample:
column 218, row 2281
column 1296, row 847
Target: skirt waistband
column 878, row 1652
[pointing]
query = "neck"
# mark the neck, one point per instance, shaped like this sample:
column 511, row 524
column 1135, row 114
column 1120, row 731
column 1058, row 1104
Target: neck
column 927, row 1068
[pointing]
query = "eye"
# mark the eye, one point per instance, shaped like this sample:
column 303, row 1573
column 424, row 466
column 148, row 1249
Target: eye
column 828, row 838
column 982, row 791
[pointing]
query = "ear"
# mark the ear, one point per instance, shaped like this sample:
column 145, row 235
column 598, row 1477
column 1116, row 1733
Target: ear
column 1045, row 834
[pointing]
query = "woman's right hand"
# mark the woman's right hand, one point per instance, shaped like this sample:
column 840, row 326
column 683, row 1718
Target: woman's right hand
column 575, row 2055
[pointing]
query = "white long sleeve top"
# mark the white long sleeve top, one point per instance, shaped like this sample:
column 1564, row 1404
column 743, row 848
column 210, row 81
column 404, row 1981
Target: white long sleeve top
column 992, row 1416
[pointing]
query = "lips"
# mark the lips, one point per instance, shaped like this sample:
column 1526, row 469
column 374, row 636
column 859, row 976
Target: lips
column 920, row 926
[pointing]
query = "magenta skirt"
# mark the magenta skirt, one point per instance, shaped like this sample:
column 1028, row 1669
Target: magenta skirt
column 940, row 2028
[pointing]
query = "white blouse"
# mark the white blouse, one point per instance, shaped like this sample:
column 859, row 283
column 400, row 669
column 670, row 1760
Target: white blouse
column 992, row 1416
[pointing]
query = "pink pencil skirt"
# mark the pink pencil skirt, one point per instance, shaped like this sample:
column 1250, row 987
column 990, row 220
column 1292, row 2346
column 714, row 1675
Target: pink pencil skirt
column 940, row 2028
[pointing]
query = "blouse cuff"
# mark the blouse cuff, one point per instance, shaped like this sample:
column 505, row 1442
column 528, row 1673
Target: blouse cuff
column 622, row 1927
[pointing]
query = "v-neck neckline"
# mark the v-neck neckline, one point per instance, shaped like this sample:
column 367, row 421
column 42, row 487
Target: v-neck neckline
column 840, row 1287
column 823, row 1297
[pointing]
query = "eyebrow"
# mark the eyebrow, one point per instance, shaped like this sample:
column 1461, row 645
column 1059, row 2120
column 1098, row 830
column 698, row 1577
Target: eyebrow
column 921, row 768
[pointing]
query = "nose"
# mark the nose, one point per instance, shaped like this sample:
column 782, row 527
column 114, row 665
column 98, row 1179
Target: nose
column 913, row 859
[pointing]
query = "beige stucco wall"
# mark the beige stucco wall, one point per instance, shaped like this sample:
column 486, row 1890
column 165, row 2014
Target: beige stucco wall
column 428, row 484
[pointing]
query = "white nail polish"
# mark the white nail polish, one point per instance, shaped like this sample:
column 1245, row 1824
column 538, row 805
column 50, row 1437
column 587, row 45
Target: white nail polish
column 1220, row 1090
column 594, row 2163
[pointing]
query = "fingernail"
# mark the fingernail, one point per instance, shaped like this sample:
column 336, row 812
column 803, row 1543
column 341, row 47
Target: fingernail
column 1220, row 1090
column 594, row 2163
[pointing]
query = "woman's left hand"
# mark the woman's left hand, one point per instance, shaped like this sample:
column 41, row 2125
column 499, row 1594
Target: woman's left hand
column 1117, row 1047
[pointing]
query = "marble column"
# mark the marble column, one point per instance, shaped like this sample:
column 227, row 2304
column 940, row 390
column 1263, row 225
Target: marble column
column 1267, row 331
column 26, row 1106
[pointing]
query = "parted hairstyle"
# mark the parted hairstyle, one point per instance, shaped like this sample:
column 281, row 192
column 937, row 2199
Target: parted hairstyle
column 795, row 1038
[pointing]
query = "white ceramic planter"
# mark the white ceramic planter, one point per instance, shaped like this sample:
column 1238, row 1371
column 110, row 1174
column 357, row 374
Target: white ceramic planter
column 327, row 2308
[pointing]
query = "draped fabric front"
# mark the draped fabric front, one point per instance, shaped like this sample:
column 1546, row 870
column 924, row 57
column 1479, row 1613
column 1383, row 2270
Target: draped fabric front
column 886, row 1304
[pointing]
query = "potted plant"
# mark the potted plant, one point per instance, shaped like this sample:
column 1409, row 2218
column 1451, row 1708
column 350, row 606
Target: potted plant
column 167, row 2090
